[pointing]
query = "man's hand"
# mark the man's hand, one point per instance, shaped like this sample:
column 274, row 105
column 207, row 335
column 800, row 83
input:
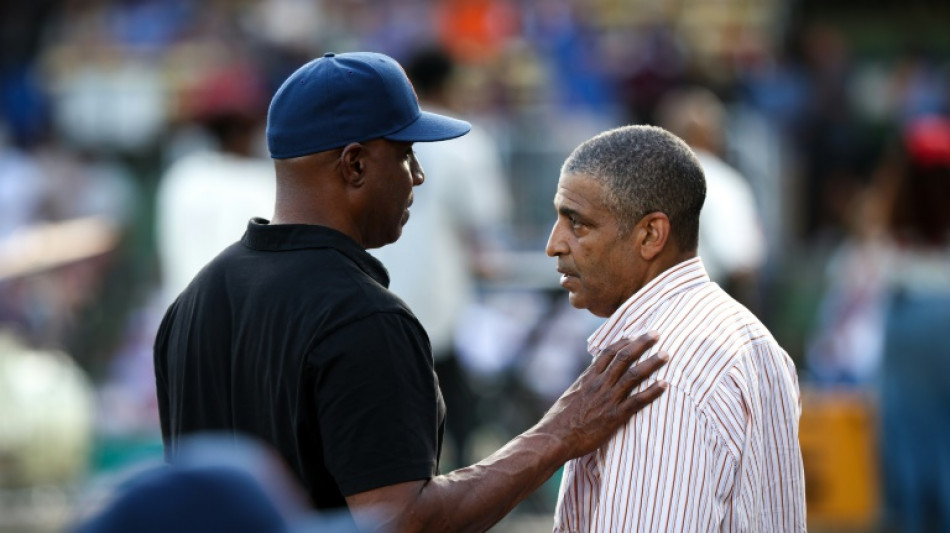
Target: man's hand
column 476, row 497
column 599, row 401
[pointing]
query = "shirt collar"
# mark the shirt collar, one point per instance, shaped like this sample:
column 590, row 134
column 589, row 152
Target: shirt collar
column 681, row 277
column 262, row 235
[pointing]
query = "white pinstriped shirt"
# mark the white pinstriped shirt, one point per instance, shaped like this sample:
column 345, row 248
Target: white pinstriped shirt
column 719, row 450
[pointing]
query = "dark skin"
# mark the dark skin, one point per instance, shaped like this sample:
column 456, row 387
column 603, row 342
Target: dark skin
column 364, row 191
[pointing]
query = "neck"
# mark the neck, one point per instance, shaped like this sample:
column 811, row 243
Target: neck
column 309, row 193
column 666, row 262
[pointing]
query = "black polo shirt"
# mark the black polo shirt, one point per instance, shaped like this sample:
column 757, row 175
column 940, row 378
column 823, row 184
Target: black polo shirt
column 291, row 336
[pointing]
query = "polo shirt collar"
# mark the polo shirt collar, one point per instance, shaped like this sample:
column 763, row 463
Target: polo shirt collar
column 675, row 280
column 263, row 236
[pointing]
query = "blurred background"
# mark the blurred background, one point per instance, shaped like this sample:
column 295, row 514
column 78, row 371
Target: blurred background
column 132, row 151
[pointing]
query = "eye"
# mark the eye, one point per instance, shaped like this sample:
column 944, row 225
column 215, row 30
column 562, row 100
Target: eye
column 577, row 227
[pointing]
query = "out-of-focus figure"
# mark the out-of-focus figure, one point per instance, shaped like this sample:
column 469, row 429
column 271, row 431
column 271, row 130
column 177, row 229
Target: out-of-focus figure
column 731, row 241
column 460, row 214
column 46, row 416
column 915, row 400
column 845, row 347
column 47, row 419
column 213, row 189
column 218, row 483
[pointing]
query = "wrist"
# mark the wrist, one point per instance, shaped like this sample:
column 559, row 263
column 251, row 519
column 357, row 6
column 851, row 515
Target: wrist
column 549, row 442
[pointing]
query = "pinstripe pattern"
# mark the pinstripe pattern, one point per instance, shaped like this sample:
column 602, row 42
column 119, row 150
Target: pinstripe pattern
column 719, row 451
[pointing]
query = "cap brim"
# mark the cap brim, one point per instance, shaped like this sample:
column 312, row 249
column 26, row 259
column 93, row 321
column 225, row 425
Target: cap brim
column 431, row 127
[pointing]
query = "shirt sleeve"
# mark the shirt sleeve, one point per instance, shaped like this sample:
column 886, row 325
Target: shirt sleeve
column 160, row 363
column 770, row 484
column 378, row 403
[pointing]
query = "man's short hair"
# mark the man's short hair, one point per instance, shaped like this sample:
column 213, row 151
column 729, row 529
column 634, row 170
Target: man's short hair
column 645, row 169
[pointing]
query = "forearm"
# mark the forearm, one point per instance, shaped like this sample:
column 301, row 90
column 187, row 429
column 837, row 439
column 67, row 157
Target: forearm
column 476, row 497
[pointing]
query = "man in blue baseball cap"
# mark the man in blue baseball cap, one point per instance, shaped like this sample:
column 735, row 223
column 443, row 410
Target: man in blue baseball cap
column 291, row 335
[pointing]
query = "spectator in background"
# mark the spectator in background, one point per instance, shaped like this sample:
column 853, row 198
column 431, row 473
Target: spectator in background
column 22, row 188
column 915, row 400
column 845, row 347
column 460, row 217
column 731, row 240
column 207, row 195
column 47, row 407
column 49, row 186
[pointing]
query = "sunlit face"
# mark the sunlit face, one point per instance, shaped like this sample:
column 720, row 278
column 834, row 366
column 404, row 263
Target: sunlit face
column 600, row 267
column 391, row 173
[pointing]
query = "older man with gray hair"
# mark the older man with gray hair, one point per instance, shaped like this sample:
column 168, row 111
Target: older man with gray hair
column 719, row 451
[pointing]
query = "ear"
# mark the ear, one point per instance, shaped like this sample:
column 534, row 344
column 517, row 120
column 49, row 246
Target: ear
column 653, row 234
column 352, row 164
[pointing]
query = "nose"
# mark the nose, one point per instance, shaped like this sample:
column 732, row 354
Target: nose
column 418, row 175
column 555, row 246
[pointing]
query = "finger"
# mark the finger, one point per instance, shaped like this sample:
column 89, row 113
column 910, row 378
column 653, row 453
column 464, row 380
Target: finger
column 629, row 352
column 607, row 355
column 628, row 349
column 638, row 401
column 642, row 371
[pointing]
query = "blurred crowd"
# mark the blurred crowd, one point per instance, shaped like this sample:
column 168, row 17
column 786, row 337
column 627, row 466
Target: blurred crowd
column 131, row 151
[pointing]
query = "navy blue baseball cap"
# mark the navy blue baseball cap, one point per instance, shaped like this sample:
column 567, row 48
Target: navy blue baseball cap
column 217, row 481
column 342, row 98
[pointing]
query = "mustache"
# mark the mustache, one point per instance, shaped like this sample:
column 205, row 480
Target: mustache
column 563, row 269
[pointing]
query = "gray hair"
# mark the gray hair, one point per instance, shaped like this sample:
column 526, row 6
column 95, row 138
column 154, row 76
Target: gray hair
column 645, row 169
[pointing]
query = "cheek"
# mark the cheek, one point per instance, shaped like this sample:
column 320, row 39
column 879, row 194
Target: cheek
column 597, row 284
column 398, row 194
column 594, row 293
column 591, row 266
column 607, row 271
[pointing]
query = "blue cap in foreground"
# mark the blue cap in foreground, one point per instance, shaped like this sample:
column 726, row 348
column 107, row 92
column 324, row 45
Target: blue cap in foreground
column 218, row 482
column 342, row 98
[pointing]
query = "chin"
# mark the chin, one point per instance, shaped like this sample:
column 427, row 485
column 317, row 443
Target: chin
column 384, row 242
column 579, row 303
column 572, row 297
